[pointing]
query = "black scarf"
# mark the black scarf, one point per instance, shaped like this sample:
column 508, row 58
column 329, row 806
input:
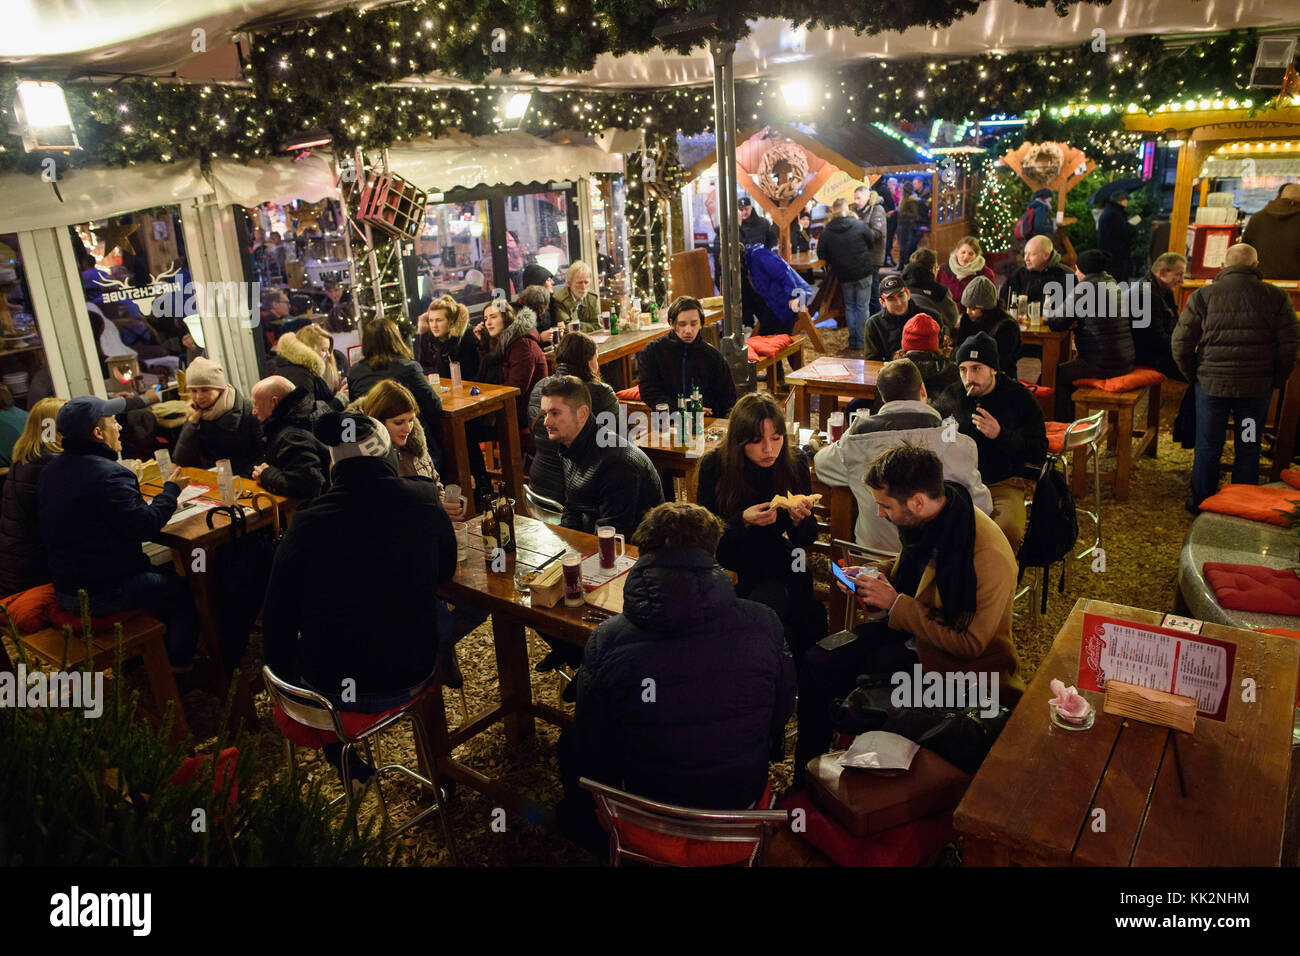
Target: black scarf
column 950, row 540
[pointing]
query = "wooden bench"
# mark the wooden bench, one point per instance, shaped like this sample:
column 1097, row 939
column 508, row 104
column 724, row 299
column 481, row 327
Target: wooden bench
column 142, row 637
column 1119, row 408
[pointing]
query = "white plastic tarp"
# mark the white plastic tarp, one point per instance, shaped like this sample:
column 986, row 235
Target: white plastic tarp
column 27, row 201
column 437, row 165
column 278, row 180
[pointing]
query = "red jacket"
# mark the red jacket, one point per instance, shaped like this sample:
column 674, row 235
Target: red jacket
column 949, row 280
column 520, row 363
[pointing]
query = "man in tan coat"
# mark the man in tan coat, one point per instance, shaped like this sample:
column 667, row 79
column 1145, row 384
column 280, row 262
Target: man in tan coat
column 947, row 598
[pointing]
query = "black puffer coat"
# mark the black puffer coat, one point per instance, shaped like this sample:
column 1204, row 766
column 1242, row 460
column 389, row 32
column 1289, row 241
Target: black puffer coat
column 724, row 686
column 436, row 355
column 236, row 435
column 546, row 475
column 362, row 378
column 1237, row 335
column 22, row 556
column 297, row 463
column 1103, row 334
column 846, row 244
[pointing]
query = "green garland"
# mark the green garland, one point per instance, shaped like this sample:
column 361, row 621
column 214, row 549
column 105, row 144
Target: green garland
column 150, row 121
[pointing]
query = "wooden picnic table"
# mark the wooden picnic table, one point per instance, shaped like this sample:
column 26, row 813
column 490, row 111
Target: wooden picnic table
column 674, row 458
column 1036, row 797
column 619, row 349
column 804, row 261
column 1054, row 345
column 823, row 377
column 511, row 612
column 190, row 537
column 458, row 408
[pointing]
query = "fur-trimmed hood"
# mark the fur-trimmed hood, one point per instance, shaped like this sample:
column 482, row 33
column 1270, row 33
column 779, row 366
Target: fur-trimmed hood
column 525, row 322
column 296, row 352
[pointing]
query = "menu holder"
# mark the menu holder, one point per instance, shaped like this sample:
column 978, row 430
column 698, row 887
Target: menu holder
column 1150, row 706
column 547, row 589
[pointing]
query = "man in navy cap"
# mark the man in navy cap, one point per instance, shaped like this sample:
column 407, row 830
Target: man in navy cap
column 93, row 520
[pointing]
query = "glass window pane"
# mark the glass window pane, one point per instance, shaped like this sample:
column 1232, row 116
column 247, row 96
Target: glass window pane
column 608, row 221
column 537, row 233
column 127, row 264
column 23, row 368
column 301, row 247
column 454, row 250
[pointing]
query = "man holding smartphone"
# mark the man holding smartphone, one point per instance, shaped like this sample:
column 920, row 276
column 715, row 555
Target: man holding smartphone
column 946, row 599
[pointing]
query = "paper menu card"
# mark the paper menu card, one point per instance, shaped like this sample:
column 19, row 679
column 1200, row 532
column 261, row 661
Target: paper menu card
column 593, row 575
column 828, row 369
column 1157, row 657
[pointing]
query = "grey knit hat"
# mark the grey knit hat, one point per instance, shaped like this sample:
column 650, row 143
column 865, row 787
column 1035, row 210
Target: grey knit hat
column 980, row 293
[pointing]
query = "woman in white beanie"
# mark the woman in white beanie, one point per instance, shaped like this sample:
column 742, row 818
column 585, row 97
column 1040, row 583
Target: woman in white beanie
column 220, row 423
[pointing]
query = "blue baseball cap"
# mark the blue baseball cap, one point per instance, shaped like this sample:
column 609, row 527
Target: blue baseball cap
column 80, row 416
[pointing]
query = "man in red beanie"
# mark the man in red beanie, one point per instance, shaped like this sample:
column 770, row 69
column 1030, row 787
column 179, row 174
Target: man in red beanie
column 921, row 345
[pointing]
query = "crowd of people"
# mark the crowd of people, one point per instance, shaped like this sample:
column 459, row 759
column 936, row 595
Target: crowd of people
column 939, row 465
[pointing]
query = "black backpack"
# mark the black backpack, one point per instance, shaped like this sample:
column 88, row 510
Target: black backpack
column 1053, row 525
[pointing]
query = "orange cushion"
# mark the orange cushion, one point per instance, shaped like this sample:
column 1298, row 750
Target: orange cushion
column 31, row 609
column 1138, row 378
column 1254, row 502
column 1284, row 632
column 1056, row 436
column 1250, row 587
column 766, row 345
column 632, row 394
column 1292, row 477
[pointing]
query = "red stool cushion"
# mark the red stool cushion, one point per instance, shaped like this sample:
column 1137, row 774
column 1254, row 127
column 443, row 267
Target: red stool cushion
column 1056, row 436
column 354, row 723
column 31, row 609
column 632, row 394
column 1039, row 391
column 1250, row 587
column 911, row 844
column 60, row 617
column 683, row 851
column 1138, row 378
column 1292, row 477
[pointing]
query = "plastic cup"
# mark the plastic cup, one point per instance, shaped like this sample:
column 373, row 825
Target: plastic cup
column 452, row 493
column 462, row 539
column 572, row 564
column 875, row 614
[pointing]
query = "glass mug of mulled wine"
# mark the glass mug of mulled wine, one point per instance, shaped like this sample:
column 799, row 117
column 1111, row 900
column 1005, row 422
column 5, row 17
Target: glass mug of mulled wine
column 835, row 425
column 606, row 537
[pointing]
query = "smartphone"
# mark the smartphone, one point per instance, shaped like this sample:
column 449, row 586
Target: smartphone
column 843, row 575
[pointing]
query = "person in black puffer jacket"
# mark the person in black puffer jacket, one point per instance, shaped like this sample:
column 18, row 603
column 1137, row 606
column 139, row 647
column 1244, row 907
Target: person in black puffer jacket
column 297, row 465
column 221, row 423
column 682, row 361
column 983, row 314
column 927, row 293
column 576, row 356
column 387, row 356
column 378, row 631
column 1103, row 333
column 726, row 683
column 764, row 544
column 1236, row 343
column 23, row 563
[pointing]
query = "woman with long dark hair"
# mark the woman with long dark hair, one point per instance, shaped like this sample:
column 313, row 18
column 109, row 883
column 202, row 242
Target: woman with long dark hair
column 766, row 544
column 387, row 356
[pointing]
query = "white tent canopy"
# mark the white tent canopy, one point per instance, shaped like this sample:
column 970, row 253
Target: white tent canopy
column 95, row 193
column 278, row 180
column 454, row 161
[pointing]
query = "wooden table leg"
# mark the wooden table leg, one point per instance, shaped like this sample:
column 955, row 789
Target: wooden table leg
column 801, row 405
column 512, row 671
column 841, row 528
column 1051, row 358
column 690, row 479
column 162, row 684
column 1153, row 422
column 205, row 606
column 512, row 458
column 432, row 709
column 454, row 438
column 1124, row 453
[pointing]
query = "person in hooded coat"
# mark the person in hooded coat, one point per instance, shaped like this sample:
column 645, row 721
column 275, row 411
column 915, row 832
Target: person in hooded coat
column 220, row 423
column 1274, row 231
column 927, row 293
column 304, row 357
column 297, row 465
column 707, row 742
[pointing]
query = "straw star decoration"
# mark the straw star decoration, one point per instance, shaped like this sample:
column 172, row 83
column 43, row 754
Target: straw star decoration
column 117, row 236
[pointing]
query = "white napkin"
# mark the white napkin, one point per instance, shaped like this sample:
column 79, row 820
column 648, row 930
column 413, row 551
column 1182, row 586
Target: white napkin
column 879, row 750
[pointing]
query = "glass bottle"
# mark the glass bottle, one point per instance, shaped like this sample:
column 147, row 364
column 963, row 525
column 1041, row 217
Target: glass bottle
column 488, row 528
column 504, row 510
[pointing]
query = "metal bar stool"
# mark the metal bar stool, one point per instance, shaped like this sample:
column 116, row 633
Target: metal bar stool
column 1086, row 433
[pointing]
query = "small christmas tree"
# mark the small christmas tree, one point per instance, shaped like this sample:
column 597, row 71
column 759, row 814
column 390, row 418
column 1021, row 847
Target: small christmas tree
column 1000, row 203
